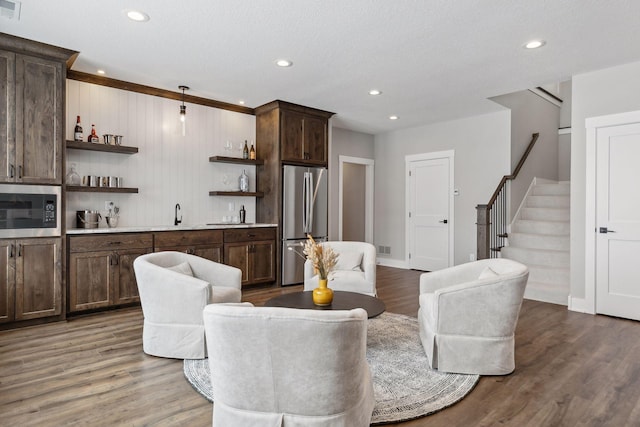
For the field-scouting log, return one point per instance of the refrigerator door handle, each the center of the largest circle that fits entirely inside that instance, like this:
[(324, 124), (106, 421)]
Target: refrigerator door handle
[(305, 210), (310, 203)]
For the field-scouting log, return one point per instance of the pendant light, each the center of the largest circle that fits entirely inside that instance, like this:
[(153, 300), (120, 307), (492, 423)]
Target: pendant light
[(183, 110)]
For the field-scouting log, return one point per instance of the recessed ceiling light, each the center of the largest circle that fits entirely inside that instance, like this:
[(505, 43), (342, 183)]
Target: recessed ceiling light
[(100, 72), (284, 63), (534, 44), (374, 92), (394, 117), (241, 102), (136, 15)]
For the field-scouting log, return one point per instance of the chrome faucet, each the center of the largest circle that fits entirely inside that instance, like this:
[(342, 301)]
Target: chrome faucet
[(177, 221)]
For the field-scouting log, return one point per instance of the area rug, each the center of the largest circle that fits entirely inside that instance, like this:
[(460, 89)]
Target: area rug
[(404, 386)]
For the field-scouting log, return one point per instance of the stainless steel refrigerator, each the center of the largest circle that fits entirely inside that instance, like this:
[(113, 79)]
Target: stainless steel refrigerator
[(304, 212)]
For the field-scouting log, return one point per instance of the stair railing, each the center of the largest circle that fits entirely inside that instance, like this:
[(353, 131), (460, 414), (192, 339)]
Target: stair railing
[(492, 218)]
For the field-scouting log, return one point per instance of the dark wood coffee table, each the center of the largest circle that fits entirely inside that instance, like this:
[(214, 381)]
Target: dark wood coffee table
[(341, 301)]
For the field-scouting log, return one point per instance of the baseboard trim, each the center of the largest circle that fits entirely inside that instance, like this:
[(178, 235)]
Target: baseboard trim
[(577, 304), (397, 263)]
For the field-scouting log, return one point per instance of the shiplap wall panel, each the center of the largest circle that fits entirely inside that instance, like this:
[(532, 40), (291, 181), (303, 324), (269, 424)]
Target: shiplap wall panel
[(168, 168)]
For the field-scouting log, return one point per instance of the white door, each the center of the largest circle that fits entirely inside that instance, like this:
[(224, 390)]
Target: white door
[(618, 221), (430, 212)]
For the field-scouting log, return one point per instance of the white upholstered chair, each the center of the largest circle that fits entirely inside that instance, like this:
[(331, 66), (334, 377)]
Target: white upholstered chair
[(354, 272), (273, 366), (468, 316), (174, 288)]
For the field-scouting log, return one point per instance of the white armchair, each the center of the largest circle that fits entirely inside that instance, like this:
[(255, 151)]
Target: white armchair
[(468, 316), (273, 366), (354, 272), (174, 288)]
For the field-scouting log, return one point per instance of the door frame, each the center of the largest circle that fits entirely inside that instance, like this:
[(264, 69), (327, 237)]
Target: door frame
[(368, 197), (593, 124), (448, 154)]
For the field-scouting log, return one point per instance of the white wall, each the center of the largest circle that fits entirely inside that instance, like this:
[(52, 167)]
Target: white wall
[(608, 91), (530, 114), (564, 140), (168, 168), (482, 153), (344, 143)]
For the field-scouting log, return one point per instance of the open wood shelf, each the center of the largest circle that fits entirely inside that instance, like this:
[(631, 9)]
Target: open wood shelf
[(237, 193), (79, 188), (222, 159), (93, 146)]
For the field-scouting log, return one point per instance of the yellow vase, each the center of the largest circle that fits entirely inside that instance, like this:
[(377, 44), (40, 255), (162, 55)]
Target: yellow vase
[(322, 295)]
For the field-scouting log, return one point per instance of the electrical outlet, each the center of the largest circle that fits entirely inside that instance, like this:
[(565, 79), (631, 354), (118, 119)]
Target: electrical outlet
[(472, 257), (232, 206), (108, 205)]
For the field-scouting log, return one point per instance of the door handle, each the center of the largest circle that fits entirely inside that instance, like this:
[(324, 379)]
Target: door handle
[(443, 221), (605, 230)]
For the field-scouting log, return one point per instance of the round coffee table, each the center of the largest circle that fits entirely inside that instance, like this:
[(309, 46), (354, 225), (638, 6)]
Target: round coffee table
[(341, 301)]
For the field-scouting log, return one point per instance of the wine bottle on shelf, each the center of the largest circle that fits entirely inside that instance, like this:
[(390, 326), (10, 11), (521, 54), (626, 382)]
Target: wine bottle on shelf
[(245, 150), (252, 152), (77, 132), (93, 137), (243, 214)]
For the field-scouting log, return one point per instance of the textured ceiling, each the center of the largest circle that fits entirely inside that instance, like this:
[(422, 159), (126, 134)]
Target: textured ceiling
[(433, 60)]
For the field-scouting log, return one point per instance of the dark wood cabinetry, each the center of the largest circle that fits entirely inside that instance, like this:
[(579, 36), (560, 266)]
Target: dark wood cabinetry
[(292, 134), (31, 278), (253, 251), (303, 138), (32, 82), (203, 243), (101, 269), (286, 134)]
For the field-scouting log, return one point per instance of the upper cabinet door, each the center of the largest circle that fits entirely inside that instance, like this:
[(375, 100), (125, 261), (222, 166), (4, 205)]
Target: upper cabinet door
[(7, 116), (303, 138), (315, 139), (39, 121), (291, 140)]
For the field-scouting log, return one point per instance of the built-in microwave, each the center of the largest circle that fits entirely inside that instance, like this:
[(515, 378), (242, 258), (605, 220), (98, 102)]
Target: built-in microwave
[(29, 210)]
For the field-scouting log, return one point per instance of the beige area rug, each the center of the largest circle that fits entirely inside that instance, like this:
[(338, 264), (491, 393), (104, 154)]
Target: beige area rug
[(404, 386)]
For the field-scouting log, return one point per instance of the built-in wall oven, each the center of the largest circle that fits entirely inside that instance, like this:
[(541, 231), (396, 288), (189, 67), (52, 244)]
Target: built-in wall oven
[(29, 211)]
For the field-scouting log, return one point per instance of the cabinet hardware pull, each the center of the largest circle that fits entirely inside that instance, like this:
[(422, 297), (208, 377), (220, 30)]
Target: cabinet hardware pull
[(251, 235), (19, 250), (113, 259), (20, 171), (11, 250), (12, 171), (115, 243)]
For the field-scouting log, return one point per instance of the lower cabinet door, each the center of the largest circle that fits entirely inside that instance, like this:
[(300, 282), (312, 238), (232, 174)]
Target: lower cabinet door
[(7, 280), (237, 255), (263, 256), (90, 279), (212, 253), (126, 287), (38, 278)]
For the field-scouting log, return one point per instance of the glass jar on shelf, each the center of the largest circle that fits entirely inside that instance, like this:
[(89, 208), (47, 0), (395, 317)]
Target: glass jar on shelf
[(72, 178)]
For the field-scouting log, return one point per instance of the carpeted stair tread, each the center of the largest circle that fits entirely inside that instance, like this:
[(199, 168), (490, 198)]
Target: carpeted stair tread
[(541, 227), (539, 241), (548, 202)]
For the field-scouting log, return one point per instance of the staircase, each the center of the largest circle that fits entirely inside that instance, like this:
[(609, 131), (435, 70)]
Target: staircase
[(539, 238)]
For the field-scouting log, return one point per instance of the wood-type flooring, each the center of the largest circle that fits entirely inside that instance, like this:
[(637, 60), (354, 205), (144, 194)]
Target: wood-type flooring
[(572, 369)]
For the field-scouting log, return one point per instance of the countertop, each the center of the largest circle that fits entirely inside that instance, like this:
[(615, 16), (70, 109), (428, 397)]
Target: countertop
[(142, 229)]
